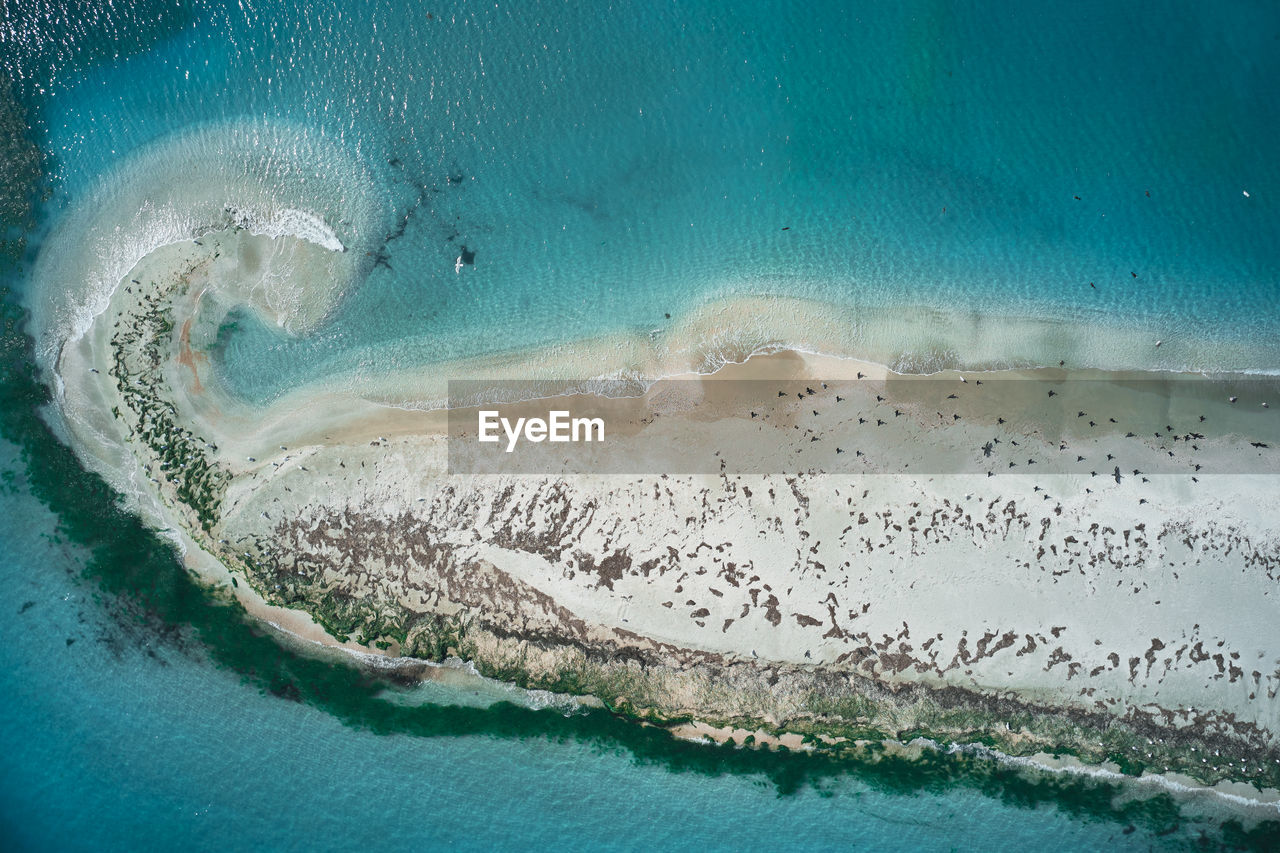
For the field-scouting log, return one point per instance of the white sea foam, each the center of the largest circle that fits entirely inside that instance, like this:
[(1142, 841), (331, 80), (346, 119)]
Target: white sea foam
[(272, 179), (286, 222), (1103, 773)]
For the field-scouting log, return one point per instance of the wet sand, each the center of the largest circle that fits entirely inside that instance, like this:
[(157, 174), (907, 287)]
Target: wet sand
[(1042, 534)]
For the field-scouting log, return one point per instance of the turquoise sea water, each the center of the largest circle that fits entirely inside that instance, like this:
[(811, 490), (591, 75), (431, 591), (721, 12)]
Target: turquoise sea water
[(117, 736), (607, 166)]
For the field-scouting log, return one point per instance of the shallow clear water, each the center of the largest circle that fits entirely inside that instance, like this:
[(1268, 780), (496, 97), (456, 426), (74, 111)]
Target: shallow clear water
[(610, 168)]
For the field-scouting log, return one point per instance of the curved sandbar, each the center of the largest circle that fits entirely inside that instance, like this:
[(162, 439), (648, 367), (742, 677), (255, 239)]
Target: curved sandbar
[(1129, 621)]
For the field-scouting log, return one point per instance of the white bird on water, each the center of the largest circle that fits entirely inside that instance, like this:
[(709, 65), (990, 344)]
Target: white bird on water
[(457, 265)]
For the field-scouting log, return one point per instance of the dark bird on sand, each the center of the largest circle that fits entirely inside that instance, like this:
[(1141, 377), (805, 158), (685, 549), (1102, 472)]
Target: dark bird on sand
[(1052, 393), (1117, 473)]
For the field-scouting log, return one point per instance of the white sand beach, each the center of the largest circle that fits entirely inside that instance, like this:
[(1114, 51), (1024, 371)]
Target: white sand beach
[(892, 555)]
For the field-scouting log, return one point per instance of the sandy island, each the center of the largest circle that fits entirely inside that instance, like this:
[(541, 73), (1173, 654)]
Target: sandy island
[(1062, 580)]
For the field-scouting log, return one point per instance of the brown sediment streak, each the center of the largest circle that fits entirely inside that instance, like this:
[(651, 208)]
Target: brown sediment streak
[(187, 358)]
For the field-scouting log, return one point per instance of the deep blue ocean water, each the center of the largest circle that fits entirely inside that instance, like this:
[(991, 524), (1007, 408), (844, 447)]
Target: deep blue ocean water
[(609, 165)]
